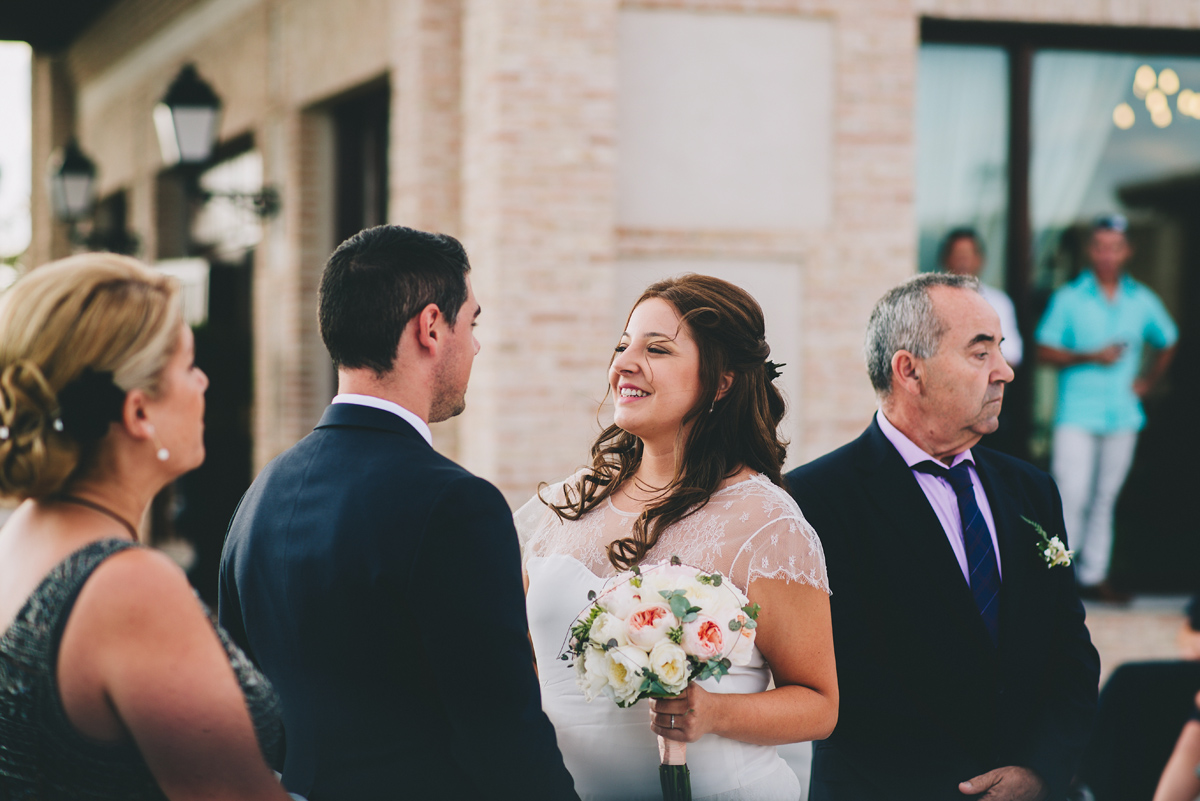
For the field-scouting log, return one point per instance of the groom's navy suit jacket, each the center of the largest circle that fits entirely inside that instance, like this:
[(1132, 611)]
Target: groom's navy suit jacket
[(378, 585), (926, 700)]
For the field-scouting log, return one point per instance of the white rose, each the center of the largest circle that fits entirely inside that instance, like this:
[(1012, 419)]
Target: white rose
[(670, 662), (625, 665), (591, 672), (608, 627), (717, 601), (704, 596), (667, 577), (621, 599)]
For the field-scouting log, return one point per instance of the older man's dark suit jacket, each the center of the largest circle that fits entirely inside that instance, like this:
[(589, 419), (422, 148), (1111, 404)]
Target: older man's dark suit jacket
[(926, 701), (378, 586)]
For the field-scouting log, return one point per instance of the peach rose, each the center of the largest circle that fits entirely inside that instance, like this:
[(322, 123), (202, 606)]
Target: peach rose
[(703, 638), (648, 624)]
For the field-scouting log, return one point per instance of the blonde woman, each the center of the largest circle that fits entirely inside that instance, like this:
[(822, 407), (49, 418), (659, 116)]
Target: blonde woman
[(113, 682)]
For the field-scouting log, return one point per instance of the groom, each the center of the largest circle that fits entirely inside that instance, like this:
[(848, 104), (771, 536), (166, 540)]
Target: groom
[(964, 665), (377, 583)]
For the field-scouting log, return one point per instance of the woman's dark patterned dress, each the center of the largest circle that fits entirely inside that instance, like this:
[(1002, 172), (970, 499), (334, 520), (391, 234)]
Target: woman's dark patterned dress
[(42, 756)]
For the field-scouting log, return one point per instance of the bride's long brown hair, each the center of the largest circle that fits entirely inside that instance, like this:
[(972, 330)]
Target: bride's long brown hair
[(739, 430)]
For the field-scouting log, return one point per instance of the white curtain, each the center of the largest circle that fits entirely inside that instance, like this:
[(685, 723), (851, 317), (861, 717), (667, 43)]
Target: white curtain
[(962, 149), (1074, 95)]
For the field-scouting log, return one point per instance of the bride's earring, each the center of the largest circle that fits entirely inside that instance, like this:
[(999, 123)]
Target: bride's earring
[(159, 451)]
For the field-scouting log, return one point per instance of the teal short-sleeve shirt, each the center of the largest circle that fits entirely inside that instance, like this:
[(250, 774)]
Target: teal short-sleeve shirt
[(1080, 317)]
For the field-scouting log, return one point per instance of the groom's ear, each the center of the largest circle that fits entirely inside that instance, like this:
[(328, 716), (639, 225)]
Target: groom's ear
[(430, 325), (906, 372)]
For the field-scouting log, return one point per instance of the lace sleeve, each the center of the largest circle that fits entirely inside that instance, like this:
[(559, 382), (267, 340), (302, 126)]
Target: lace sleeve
[(534, 519), (788, 548), (748, 530), (528, 519)]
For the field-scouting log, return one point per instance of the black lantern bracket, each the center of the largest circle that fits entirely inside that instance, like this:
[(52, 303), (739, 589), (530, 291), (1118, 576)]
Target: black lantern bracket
[(266, 202)]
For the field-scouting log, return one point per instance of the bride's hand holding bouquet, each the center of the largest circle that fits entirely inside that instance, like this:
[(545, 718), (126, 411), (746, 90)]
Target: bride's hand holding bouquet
[(651, 635)]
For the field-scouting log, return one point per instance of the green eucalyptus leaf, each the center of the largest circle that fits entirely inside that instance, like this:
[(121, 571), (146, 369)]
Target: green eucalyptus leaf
[(681, 607)]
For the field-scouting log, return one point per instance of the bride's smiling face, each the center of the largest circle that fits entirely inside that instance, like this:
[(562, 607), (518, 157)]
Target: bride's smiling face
[(655, 374)]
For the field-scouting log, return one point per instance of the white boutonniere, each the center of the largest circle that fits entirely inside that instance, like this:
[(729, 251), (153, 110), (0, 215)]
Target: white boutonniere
[(1052, 548)]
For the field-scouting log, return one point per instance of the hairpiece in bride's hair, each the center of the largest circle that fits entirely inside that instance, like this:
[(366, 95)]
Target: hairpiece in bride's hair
[(772, 368)]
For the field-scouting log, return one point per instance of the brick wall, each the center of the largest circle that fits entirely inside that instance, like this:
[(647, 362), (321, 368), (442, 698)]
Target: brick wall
[(538, 203), (503, 133)]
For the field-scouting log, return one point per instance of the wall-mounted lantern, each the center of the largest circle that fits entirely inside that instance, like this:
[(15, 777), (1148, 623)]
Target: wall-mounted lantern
[(187, 119), (72, 184)]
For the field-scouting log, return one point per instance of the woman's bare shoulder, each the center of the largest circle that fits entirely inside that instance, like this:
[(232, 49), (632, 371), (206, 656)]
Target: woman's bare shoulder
[(136, 591)]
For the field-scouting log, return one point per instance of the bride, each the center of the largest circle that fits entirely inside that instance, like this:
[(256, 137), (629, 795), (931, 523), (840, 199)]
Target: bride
[(690, 467)]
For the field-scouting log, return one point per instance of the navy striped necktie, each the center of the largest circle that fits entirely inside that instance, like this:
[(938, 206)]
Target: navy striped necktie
[(982, 568)]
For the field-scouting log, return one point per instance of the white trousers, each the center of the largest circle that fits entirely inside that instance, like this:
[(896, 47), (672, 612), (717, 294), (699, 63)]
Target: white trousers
[(1090, 470)]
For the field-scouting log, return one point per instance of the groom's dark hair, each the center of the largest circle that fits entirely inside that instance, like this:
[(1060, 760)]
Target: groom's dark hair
[(378, 280)]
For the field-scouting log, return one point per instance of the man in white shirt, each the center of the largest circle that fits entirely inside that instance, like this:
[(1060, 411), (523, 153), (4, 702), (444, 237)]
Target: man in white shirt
[(962, 253)]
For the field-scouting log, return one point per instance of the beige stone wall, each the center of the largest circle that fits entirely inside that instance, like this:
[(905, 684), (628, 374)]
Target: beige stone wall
[(538, 206), (426, 134), (504, 132), (874, 241)]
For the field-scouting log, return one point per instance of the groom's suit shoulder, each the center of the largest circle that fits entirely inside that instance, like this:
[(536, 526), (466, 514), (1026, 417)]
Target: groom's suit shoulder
[(372, 454), (369, 489)]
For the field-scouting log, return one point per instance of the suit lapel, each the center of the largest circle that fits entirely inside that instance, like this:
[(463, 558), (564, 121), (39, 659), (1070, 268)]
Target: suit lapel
[(914, 541)]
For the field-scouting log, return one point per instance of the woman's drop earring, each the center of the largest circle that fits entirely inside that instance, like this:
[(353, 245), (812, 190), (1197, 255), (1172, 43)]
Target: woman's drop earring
[(160, 452)]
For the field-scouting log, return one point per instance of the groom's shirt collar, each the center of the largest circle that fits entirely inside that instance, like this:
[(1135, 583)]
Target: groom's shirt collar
[(386, 405), (939, 492)]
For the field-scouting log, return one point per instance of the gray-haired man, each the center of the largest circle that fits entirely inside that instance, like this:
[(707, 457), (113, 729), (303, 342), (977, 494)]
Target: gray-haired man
[(964, 665)]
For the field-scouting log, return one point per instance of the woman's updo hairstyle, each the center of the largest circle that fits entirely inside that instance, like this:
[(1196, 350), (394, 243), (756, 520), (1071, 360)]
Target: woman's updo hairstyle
[(741, 429), (75, 336)]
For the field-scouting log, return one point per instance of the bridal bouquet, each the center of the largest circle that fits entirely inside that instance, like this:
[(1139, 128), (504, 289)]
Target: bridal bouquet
[(653, 630)]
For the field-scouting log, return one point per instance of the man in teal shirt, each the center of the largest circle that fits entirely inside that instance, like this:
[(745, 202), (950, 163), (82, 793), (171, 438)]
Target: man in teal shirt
[(1095, 330)]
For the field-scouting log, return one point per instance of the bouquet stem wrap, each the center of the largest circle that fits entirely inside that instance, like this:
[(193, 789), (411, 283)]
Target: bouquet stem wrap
[(673, 773)]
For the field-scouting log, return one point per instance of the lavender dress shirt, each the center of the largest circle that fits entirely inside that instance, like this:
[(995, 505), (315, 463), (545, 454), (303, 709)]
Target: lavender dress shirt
[(941, 495)]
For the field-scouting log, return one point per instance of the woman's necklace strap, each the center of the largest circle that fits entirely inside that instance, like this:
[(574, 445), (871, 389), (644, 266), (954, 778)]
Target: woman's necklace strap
[(104, 510)]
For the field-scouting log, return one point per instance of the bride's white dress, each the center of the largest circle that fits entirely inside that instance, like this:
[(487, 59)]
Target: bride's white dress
[(748, 530)]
